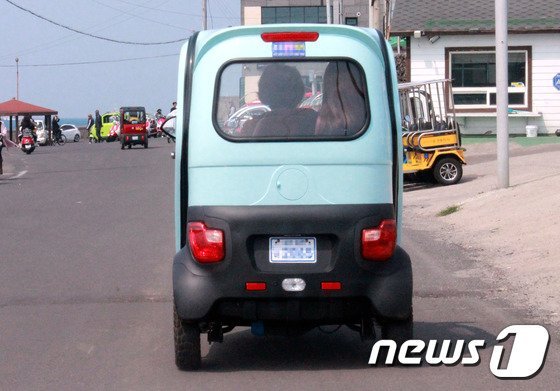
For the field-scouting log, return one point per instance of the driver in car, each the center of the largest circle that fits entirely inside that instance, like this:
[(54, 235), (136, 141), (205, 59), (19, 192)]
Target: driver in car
[(281, 88)]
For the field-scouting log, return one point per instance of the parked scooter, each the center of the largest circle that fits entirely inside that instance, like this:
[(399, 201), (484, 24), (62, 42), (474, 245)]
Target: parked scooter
[(27, 141), (114, 133), (167, 127)]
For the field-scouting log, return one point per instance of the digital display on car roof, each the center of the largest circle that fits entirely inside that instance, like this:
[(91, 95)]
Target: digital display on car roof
[(288, 49)]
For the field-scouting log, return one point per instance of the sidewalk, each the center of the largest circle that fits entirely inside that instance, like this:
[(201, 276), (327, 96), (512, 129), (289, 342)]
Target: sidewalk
[(516, 230)]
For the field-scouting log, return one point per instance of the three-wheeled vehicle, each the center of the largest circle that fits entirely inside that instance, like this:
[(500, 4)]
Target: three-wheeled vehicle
[(431, 135), (294, 221), (133, 126)]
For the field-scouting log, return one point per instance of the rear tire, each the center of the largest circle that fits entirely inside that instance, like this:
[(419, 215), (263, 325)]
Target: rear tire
[(399, 331), (187, 343), (76, 138), (448, 171)]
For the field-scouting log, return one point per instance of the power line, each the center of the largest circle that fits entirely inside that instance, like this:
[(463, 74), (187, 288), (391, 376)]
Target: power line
[(93, 35), (141, 17), (68, 38), (89, 62), (174, 12)]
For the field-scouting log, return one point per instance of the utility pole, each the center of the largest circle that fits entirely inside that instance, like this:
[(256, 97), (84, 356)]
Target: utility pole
[(377, 14), (17, 78), (204, 15), (329, 14), (337, 7), (502, 92)]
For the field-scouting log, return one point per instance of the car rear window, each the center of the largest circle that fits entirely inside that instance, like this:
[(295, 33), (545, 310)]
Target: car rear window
[(291, 100), (132, 116)]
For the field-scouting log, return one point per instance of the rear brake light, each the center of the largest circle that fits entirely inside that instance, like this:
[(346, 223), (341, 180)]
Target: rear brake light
[(255, 286), (378, 244), (207, 244), (290, 36), (331, 286)]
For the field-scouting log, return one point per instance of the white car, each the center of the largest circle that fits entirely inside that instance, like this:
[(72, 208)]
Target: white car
[(71, 132), (235, 122), (41, 132)]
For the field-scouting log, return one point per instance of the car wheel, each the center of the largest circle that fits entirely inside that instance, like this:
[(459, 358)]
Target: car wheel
[(146, 144), (448, 171), (187, 343), (76, 138), (399, 331), (129, 146)]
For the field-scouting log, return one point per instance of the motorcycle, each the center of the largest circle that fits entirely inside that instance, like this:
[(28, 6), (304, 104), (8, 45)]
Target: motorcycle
[(167, 127), (27, 141), (160, 121), (114, 132)]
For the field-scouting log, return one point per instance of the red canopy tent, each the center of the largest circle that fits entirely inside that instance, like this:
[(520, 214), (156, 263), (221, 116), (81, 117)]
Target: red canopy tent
[(14, 107)]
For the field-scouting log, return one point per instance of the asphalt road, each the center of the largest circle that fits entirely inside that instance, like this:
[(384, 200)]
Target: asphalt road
[(86, 243)]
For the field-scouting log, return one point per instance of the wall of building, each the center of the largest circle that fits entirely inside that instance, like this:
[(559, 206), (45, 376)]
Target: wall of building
[(428, 62), (352, 9)]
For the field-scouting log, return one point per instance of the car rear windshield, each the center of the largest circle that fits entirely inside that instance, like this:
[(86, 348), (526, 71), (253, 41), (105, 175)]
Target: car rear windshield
[(291, 100), (134, 116)]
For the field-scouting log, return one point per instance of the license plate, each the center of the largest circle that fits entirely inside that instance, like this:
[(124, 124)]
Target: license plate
[(27, 146), (135, 138), (292, 250)]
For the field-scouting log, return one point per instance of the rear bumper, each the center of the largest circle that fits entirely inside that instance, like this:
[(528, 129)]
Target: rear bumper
[(383, 291), (130, 138)]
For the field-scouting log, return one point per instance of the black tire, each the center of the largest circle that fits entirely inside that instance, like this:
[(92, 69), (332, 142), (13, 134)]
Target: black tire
[(448, 171), (122, 144), (187, 343), (129, 146), (146, 144), (76, 138), (399, 331)]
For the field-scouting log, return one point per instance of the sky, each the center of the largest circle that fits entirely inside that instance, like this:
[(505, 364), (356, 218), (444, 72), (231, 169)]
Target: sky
[(111, 79)]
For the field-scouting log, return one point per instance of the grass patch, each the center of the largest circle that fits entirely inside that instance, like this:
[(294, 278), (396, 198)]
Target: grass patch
[(449, 210)]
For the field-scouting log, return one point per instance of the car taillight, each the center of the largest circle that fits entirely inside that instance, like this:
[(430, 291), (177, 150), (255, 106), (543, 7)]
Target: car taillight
[(290, 36), (207, 244), (378, 244)]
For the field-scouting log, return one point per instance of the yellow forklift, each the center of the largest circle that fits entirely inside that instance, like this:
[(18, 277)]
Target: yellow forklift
[(431, 136)]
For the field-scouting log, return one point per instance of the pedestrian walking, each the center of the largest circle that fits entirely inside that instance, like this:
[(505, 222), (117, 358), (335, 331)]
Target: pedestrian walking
[(4, 142), (174, 107), (98, 126), (89, 126)]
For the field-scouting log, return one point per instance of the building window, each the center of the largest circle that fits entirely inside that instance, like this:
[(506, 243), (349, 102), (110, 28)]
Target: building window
[(351, 21), (271, 15), (473, 74)]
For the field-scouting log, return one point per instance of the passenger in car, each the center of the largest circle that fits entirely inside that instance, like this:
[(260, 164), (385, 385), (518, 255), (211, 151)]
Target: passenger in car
[(343, 112), (281, 88)]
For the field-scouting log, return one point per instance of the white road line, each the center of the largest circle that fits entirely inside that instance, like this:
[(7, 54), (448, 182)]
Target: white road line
[(21, 173)]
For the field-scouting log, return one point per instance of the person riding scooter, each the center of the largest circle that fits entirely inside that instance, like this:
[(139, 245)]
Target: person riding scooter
[(28, 123)]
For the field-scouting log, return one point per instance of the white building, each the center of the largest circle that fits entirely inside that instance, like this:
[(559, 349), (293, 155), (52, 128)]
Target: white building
[(455, 39)]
